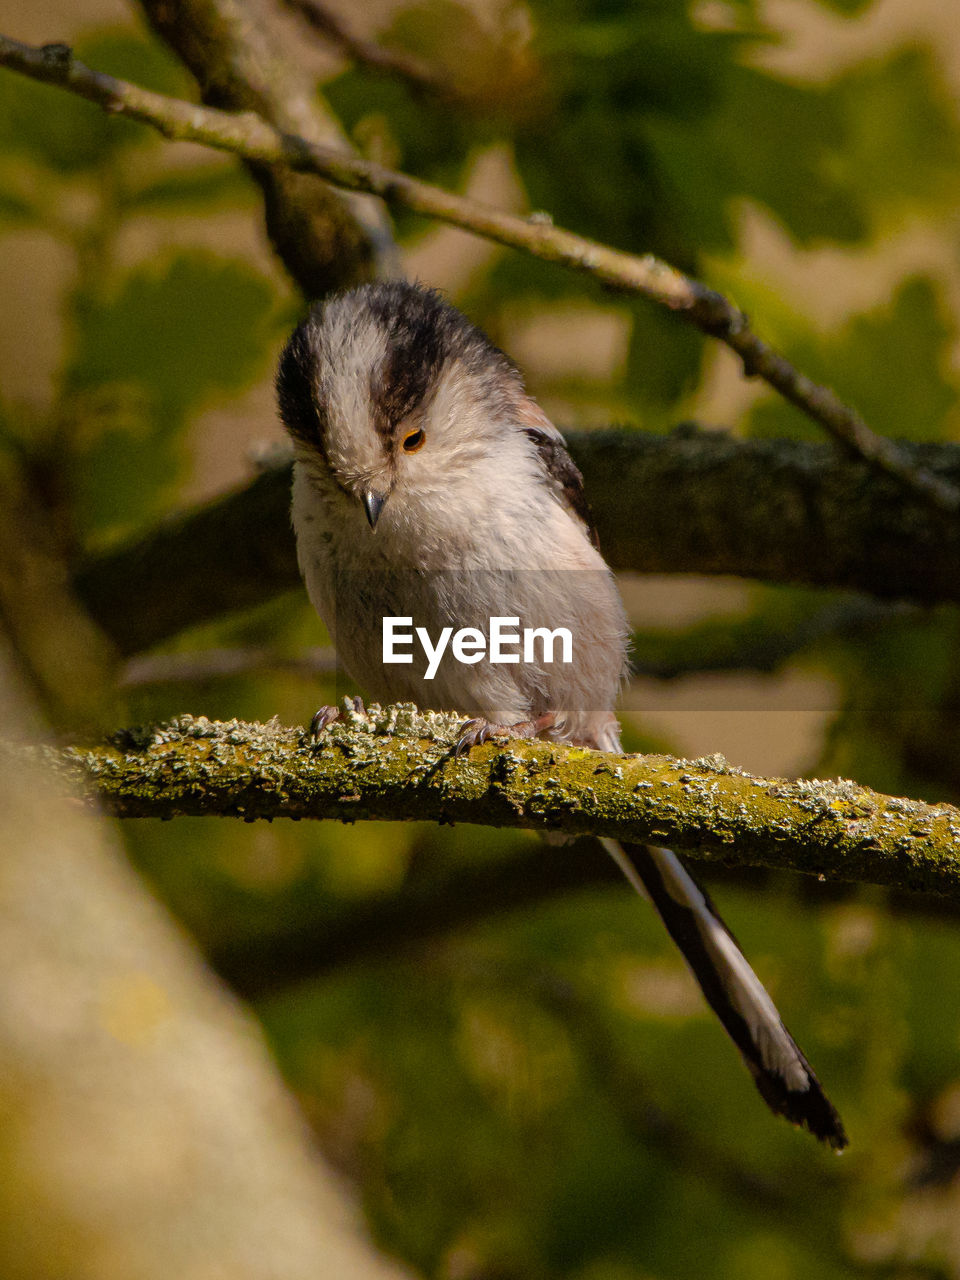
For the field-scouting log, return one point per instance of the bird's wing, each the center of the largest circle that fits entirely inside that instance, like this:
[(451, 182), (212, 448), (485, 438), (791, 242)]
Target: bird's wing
[(560, 471)]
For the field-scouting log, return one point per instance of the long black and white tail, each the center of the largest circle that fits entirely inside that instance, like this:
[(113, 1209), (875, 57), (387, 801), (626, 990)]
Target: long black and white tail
[(732, 989)]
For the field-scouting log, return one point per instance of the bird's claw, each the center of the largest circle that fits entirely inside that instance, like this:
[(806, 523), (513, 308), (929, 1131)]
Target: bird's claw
[(473, 734), (325, 716)]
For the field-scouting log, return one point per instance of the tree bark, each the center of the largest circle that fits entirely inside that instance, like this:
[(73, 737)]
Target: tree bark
[(397, 763), (146, 1132)]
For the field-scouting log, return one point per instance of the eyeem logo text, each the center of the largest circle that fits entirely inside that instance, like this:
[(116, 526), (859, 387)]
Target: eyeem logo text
[(470, 645)]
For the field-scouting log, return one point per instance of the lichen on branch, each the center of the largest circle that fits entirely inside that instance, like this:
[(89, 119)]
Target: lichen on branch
[(398, 763)]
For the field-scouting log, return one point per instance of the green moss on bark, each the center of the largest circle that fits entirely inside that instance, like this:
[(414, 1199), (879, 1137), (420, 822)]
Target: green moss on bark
[(398, 763)]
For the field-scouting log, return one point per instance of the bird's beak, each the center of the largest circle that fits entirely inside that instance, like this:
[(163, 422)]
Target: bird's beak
[(373, 503)]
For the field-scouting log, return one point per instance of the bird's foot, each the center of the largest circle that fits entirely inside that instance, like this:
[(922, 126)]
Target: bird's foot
[(327, 715), (476, 732)]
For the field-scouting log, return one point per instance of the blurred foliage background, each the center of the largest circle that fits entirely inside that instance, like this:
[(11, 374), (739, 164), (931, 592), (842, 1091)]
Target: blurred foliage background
[(539, 1091)]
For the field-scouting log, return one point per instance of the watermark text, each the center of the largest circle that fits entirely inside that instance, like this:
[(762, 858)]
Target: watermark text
[(506, 643)]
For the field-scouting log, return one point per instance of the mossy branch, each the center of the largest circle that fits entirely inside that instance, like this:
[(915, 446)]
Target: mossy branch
[(397, 763), (248, 135)]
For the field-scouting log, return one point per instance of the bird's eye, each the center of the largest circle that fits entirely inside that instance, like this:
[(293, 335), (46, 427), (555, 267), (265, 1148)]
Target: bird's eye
[(414, 441)]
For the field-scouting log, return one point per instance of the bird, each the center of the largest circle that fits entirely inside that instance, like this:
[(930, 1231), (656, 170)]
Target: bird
[(429, 487)]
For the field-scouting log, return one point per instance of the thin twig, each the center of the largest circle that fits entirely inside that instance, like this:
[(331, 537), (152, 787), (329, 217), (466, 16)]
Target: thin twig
[(397, 62), (248, 135)]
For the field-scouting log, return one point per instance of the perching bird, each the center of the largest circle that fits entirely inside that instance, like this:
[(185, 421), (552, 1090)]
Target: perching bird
[(428, 486)]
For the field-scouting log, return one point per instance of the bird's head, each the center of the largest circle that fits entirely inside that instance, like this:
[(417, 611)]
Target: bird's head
[(394, 396)]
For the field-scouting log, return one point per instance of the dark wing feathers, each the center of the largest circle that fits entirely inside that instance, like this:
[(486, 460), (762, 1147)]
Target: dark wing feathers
[(563, 474)]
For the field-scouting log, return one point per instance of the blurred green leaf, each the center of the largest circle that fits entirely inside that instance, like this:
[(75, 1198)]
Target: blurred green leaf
[(124, 479), (618, 156), (775, 142), (69, 135), (203, 189), (51, 127), (17, 211), (893, 364), (171, 336), (666, 127), (129, 55), (831, 162), (663, 360), (903, 134), (183, 330), (389, 119)]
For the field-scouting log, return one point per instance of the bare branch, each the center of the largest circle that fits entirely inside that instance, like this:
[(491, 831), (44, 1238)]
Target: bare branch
[(778, 510), (250, 136), (396, 763)]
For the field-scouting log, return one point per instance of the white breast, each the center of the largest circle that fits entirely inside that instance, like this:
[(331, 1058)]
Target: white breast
[(458, 563)]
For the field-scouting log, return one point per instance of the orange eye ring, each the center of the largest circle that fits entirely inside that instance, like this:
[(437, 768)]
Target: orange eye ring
[(414, 441)]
